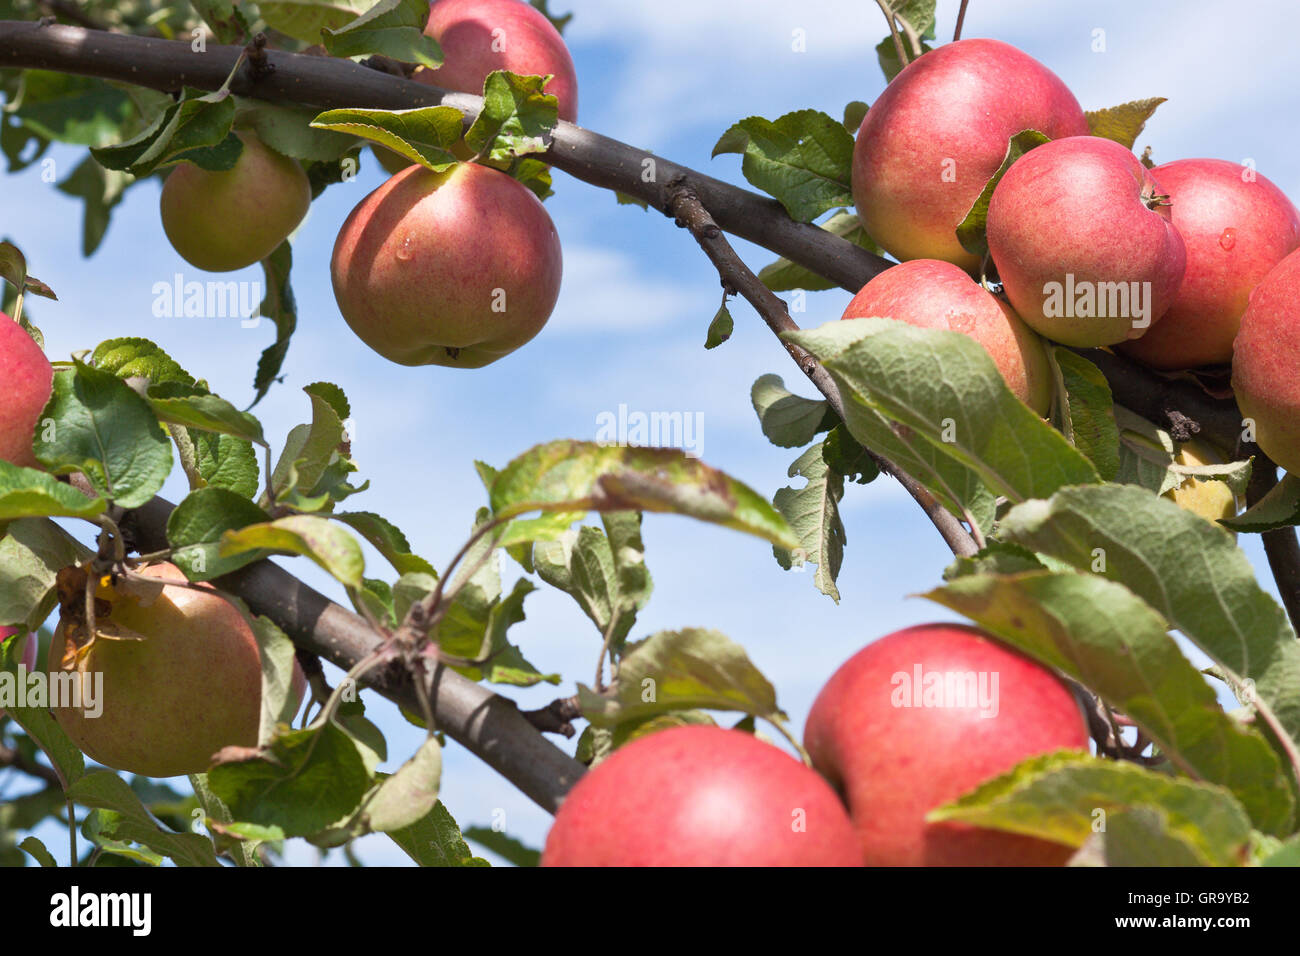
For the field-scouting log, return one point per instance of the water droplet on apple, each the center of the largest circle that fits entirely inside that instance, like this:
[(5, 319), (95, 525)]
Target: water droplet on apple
[(404, 250), (1228, 238)]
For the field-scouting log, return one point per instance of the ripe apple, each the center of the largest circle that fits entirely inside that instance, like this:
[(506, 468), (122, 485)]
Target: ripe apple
[(1206, 497), (1236, 225), (172, 700), (456, 268), (480, 36), (220, 221), (1264, 363), (897, 753), (701, 796), (932, 294), (27, 379), (26, 644), (1083, 242), (939, 132)]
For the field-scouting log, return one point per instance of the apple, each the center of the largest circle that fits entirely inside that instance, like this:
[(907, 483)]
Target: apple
[(1206, 497), (192, 686), (897, 753), (220, 221), (27, 378), (932, 294), (480, 36), (939, 132), (701, 796), (456, 268), (1236, 225), (1264, 363), (26, 644), (1083, 242)]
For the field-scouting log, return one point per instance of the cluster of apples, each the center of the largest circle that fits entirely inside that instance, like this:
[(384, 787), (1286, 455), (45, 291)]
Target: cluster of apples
[(1187, 264), (456, 268), (888, 742)]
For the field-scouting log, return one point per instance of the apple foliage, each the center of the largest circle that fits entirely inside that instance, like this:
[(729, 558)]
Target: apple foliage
[(1081, 565)]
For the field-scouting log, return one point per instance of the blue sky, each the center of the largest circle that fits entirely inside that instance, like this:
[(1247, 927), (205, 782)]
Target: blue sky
[(638, 295)]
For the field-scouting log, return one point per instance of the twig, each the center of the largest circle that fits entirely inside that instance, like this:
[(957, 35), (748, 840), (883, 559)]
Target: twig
[(69, 11), (556, 717), (691, 214), (887, 10), (961, 18), (11, 757)]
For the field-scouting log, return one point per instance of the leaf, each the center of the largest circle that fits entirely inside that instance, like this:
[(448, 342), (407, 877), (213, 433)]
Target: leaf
[(1087, 413), (1103, 636), (123, 817), (41, 727), (813, 511), (516, 120), (102, 428), (803, 159), (226, 462), (1279, 508), (410, 794), (785, 276), (100, 190), (387, 539), (788, 420), (306, 781), (506, 847), (847, 458), (32, 550), (197, 408), (582, 563), (436, 840), (287, 129), (305, 19), (195, 128), (971, 230), (196, 526), (331, 547), (393, 28), (36, 849), (945, 389), (79, 110), (921, 16), (139, 358), (279, 306), (1059, 796), (1188, 569), (1123, 123), (569, 476), (31, 493), (310, 449), (681, 670), (720, 328), (423, 135), (887, 56), (855, 112)]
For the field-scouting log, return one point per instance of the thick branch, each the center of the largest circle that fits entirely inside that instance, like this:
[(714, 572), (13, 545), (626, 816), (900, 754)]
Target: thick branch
[(691, 214), (331, 82), (487, 724), (1280, 546)]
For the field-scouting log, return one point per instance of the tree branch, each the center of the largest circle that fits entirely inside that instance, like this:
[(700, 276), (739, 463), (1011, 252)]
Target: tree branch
[(487, 724), (1280, 545), (691, 214), (10, 757)]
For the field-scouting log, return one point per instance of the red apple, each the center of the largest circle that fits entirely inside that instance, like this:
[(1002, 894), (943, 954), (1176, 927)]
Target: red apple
[(480, 36), (898, 748), (701, 796), (932, 294), (192, 686), (456, 268), (1237, 226), (27, 379), (939, 132), (1265, 358), (1083, 242)]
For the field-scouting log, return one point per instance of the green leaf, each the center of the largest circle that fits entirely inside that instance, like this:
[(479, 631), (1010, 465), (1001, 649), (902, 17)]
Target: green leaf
[(1059, 797), (305, 19), (918, 13), (40, 725), (1188, 569), (310, 449), (31, 493), (506, 847), (1123, 123), (785, 276), (586, 476), (1086, 416), (813, 511), (100, 190), (36, 849), (436, 840), (139, 358), (1288, 854), (306, 781), (887, 56), (410, 794), (943, 387), (1280, 508), (279, 306), (423, 135), (288, 130), (803, 159), (227, 21), (393, 28), (847, 458), (387, 539), (681, 670), (516, 120), (79, 110), (720, 328), (32, 550), (100, 427), (970, 232), (1103, 636), (855, 112), (124, 818), (196, 526), (224, 461), (196, 129), (331, 547), (218, 819), (788, 420)]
